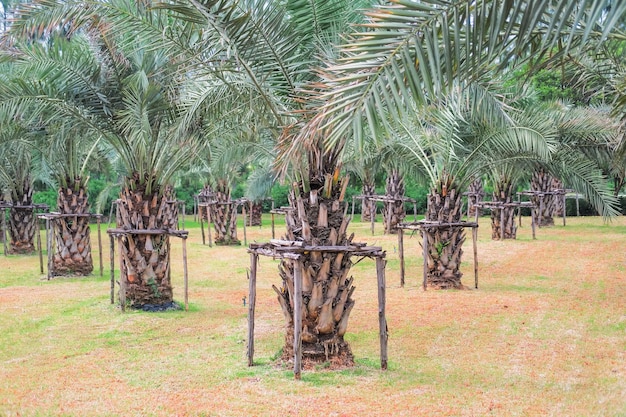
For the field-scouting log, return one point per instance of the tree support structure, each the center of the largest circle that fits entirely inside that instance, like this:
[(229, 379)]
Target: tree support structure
[(294, 251), (389, 226)]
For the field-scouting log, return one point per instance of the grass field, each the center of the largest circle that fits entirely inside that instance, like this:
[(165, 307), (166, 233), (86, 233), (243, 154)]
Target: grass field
[(544, 335)]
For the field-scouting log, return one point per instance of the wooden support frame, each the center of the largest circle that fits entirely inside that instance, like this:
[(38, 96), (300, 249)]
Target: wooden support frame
[(498, 205), (558, 193), (424, 224), (281, 211), (119, 233), (383, 199), (4, 206), (293, 250), (51, 219)]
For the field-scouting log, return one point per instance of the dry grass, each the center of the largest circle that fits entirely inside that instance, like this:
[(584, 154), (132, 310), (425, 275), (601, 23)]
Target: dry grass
[(544, 335)]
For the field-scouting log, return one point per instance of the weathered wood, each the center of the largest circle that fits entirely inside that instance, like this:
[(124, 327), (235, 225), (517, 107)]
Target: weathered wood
[(273, 223), (251, 305), (100, 245), (122, 275), (112, 255), (49, 237), (185, 275), (475, 247), (297, 319), (502, 223), (243, 214), (564, 208), (202, 224), (401, 254), (382, 320), (208, 226), (38, 247), (4, 231), (425, 255)]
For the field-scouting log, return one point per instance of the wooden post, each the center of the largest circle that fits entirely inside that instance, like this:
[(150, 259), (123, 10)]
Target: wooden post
[(273, 236), (4, 230), (208, 225), (195, 208), (243, 209), (577, 205), (540, 210), (502, 223), (297, 322), (122, 277), (49, 237), (475, 243), (112, 269), (425, 254), (202, 223), (469, 202), (382, 321), (401, 254), (254, 259), (372, 215), (519, 212), (185, 275), (100, 246), (38, 247), (564, 208), (414, 211), (532, 220)]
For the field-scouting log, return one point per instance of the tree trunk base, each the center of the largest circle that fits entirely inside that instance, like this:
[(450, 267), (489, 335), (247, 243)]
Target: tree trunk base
[(332, 353)]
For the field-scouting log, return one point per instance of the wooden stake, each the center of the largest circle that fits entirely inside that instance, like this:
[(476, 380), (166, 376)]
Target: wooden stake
[(112, 269), (208, 225), (185, 275), (475, 244), (297, 322), (100, 246), (401, 254), (382, 321), (425, 254), (254, 258), (577, 205), (4, 231), (49, 237), (502, 223), (372, 215), (414, 212), (243, 209), (38, 247), (352, 217), (564, 208), (202, 224), (532, 220), (122, 277), (273, 235)]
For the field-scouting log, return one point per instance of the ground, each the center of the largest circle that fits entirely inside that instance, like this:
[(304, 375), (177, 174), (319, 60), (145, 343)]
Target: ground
[(544, 335)]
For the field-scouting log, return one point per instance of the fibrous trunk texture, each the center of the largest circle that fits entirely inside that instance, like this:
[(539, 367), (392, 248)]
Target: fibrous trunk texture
[(542, 181), (319, 219), (476, 195), (22, 221), (394, 210), (444, 244), (224, 216), (145, 259), (503, 193), (73, 246), (255, 213), (206, 195), (368, 207)]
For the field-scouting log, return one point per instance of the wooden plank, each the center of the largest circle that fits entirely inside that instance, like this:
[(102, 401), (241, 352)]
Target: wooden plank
[(382, 320), (254, 258), (297, 322), (401, 255), (112, 254), (185, 274)]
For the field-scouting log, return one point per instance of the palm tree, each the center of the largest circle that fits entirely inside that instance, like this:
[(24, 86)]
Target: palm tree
[(125, 93)]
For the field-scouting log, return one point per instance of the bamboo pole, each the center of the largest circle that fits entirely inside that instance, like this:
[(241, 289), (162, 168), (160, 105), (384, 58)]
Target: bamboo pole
[(38, 247), (202, 224), (254, 258), (185, 275), (401, 254), (243, 209), (475, 245), (100, 246), (382, 321), (112, 269), (297, 325), (425, 254)]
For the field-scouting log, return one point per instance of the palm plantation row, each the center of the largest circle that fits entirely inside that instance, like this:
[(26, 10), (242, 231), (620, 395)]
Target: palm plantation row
[(303, 91)]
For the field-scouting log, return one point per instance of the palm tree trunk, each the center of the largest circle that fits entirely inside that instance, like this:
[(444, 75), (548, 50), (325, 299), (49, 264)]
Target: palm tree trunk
[(541, 181), (224, 216), (145, 259), (477, 193), (394, 211), (255, 214), (443, 259), (73, 254), (503, 193), (367, 205), (22, 220), (319, 219)]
